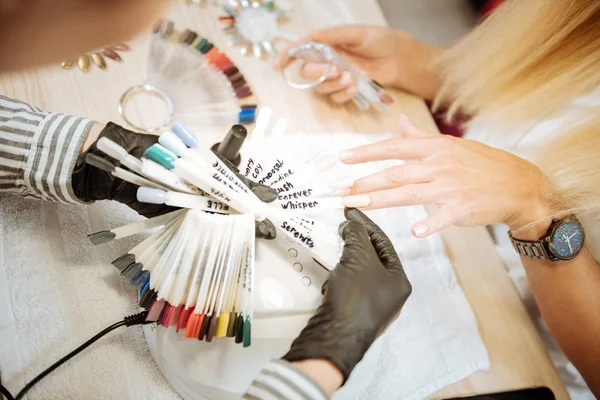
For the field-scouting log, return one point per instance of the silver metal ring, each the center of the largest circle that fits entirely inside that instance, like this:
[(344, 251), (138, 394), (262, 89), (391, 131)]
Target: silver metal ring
[(146, 88), (318, 47)]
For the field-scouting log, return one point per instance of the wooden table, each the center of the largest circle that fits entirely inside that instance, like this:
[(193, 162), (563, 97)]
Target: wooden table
[(518, 357)]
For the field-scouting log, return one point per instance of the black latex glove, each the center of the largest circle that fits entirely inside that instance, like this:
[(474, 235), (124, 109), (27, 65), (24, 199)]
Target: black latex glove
[(365, 293), (263, 229), (91, 183)]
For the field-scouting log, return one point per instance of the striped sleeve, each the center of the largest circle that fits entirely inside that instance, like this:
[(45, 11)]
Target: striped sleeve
[(38, 151), (281, 380)]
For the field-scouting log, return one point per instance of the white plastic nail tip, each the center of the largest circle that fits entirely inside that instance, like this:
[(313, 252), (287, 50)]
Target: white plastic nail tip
[(111, 149), (152, 196), (173, 143)]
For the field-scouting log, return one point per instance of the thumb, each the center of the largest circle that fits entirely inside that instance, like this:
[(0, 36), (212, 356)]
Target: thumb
[(353, 233), (380, 241), (346, 35), (356, 241), (358, 251)]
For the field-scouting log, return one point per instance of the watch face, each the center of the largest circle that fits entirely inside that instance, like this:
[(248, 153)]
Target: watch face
[(566, 240)]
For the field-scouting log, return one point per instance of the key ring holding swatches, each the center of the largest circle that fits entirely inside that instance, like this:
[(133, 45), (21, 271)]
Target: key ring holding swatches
[(154, 91), (368, 92), (292, 53)]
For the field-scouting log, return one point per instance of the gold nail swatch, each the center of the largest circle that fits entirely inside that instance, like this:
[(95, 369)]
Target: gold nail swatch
[(84, 62), (99, 60), (67, 64)]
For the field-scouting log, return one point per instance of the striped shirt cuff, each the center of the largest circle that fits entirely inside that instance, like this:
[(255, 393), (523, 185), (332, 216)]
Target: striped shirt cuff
[(281, 380), (38, 151)]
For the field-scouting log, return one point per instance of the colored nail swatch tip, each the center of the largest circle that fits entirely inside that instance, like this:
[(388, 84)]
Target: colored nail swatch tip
[(239, 329), (231, 324), (160, 155), (247, 331), (212, 328), (203, 329), (185, 134), (223, 324)]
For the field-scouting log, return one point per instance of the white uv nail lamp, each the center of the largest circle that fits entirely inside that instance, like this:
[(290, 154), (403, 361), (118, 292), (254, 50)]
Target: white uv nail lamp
[(288, 291)]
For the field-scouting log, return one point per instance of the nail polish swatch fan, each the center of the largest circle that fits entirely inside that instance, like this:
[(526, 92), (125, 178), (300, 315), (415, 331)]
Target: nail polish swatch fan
[(285, 281), (200, 82)]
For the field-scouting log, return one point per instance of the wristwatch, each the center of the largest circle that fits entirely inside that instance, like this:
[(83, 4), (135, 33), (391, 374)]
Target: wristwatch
[(562, 241)]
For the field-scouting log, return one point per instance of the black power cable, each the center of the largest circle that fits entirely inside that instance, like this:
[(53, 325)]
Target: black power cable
[(132, 320), (6, 393)]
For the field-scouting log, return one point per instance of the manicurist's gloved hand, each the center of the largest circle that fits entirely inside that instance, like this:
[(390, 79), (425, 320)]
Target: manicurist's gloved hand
[(366, 292), (91, 183)]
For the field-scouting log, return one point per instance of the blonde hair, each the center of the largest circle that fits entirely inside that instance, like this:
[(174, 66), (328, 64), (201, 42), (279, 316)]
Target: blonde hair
[(572, 162), (527, 60)]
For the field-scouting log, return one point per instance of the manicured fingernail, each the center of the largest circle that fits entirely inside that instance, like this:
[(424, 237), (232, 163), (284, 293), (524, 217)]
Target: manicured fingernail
[(341, 192), (333, 72), (341, 183), (357, 201), (346, 79), (345, 155), (352, 90), (420, 230), (386, 98)]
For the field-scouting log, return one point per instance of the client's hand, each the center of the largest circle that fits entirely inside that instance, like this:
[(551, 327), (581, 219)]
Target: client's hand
[(392, 58), (365, 294), (473, 184)]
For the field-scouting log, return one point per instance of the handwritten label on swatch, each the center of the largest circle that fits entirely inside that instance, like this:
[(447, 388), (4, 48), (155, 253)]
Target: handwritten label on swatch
[(304, 223), (302, 238), (299, 205), (219, 194), (296, 195), (282, 177), (223, 170), (217, 205), (287, 186), (218, 177), (272, 171), (253, 171)]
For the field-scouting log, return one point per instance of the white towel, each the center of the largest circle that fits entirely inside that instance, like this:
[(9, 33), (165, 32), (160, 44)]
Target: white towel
[(56, 291)]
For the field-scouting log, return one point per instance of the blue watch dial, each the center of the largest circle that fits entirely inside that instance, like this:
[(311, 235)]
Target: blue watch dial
[(567, 240)]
